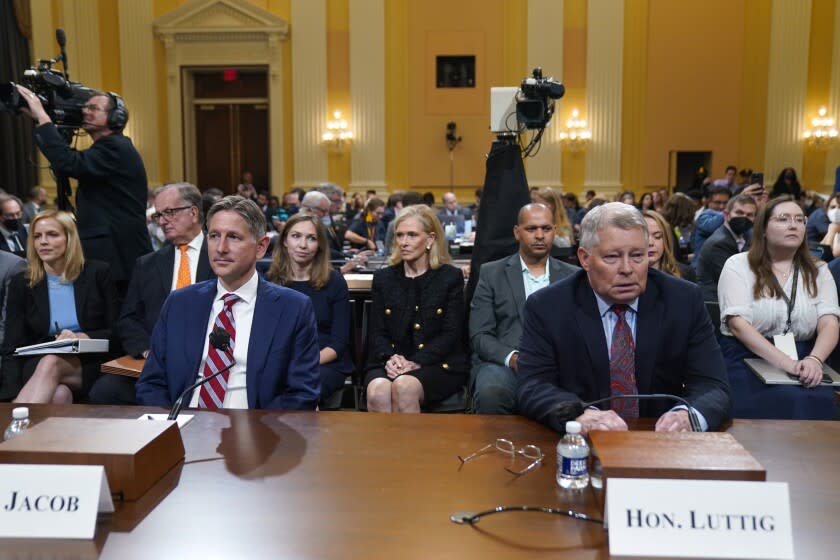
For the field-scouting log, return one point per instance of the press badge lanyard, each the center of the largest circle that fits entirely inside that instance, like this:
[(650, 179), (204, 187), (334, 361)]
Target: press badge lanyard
[(789, 300)]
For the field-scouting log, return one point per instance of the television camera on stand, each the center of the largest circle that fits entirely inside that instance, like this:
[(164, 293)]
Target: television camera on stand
[(62, 99), (515, 113)]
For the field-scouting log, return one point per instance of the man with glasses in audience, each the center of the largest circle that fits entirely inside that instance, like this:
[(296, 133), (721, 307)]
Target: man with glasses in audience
[(181, 262), (617, 328), (496, 308), (732, 237), (111, 196)]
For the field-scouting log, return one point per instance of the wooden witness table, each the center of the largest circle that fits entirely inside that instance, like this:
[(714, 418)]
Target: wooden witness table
[(266, 484)]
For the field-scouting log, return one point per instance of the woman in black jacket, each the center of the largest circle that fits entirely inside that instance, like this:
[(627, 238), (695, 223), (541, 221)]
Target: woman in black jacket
[(58, 296), (416, 342)]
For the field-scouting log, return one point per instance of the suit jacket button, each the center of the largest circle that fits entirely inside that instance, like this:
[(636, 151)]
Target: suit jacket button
[(387, 311), (416, 326), (421, 346), (439, 311)]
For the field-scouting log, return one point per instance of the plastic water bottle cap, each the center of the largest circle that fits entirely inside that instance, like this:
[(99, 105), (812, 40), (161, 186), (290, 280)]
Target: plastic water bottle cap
[(572, 427), (20, 413)]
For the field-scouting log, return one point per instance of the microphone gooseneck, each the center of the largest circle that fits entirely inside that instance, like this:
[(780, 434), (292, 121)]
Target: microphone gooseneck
[(220, 340)]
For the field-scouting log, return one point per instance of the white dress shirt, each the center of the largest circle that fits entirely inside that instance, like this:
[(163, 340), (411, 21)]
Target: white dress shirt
[(243, 317)]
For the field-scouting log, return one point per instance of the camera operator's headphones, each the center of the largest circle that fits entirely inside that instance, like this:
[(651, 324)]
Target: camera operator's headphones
[(118, 115)]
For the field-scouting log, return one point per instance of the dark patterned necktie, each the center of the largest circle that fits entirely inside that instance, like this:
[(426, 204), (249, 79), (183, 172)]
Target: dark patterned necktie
[(212, 393), (623, 366)]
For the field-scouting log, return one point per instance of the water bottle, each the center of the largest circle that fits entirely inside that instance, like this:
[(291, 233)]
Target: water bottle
[(572, 455), (20, 421)]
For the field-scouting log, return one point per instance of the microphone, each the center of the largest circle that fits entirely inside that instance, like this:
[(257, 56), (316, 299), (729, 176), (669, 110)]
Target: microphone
[(220, 340), (61, 39), (569, 410)]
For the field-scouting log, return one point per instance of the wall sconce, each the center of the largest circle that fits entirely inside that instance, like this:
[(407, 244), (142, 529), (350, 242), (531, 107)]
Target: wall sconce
[(575, 136), (822, 132), (338, 137)]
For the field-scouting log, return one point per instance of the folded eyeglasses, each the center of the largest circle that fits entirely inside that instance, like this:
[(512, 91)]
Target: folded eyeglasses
[(531, 452)]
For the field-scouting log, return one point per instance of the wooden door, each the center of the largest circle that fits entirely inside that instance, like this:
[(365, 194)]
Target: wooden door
[(231, 128)]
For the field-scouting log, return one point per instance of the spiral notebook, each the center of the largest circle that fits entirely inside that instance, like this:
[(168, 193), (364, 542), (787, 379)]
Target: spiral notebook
[(771, 375)]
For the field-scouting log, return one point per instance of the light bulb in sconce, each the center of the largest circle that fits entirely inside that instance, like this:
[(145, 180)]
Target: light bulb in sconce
[(823, 131), (575, 135), (338, 135)]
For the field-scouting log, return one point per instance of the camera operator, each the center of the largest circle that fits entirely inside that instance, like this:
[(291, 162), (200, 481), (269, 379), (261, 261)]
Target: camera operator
[(111, 196)]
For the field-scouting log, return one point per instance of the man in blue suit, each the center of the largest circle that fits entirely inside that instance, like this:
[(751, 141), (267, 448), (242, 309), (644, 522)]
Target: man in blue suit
[(617, 328), (276, 368)]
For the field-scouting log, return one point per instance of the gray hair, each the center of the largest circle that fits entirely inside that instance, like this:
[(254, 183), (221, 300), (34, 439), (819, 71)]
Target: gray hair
[(188, 192), (313, 199), (329, 189), (246, 208), (612, 214)]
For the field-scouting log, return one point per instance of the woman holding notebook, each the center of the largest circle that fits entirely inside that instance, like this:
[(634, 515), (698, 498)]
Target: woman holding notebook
[(58, 296), (779, 304)]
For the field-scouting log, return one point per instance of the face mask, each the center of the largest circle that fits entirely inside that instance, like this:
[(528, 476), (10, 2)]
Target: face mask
[(808, 203), (326, 221), (11, 224), (740, 225), (834, 215)]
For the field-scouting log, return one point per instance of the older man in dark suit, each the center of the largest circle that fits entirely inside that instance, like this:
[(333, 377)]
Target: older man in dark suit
[(496, 309), (181, 262), (616, 328)]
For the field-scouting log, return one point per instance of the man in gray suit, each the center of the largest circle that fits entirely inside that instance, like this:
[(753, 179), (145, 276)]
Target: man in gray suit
[(496, 309), (10, 265)]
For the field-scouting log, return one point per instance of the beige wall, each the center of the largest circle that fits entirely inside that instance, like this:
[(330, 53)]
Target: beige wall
[(695, 65), (699, 71)]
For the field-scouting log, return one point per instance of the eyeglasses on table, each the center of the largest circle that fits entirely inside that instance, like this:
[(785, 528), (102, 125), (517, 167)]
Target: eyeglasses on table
[(531, 452)]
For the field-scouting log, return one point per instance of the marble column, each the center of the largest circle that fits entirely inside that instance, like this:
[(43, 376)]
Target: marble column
[(367, 94), (604, 63), (787, 84), (309, 91)]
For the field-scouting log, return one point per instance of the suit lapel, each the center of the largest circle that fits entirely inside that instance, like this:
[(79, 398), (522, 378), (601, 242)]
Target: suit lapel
[(203, 272), (513, 273), (165, 267), (592, 327), (649, 321), (195, 332), (42, 306), (264, 322), (80, 292)]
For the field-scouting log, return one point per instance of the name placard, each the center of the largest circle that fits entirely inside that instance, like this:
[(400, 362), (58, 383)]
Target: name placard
[(52, 501), (699, 518)]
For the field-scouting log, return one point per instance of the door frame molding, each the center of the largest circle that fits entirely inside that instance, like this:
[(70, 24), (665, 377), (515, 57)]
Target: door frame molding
[(226, 33), (189, 126)]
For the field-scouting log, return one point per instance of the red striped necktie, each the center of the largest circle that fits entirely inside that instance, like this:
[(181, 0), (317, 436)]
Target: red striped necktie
[(212, 394), (623, 366)]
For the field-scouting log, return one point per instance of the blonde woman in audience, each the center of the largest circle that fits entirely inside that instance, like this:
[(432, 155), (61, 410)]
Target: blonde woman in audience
[(660, 245), (777, 294), (59, 296), (551, 198), (416, 352), (301, 261)]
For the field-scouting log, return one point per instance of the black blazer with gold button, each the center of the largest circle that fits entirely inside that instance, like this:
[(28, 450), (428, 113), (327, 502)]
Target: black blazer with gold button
[(422, 318)]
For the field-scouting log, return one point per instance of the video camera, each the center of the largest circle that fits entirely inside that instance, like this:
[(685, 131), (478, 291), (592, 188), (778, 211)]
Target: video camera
[(62, 99), (532, 103)]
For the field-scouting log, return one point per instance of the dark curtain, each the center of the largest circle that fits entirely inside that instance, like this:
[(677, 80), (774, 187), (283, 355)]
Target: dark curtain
[(17, 153), (505, 192)]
